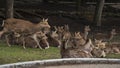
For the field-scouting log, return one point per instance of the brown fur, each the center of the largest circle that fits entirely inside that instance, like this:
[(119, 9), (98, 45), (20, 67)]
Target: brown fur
[(19, 25), (105, 37), (22, 27)]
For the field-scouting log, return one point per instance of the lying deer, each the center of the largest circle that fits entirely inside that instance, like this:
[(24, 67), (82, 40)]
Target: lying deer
[(113, 48), (54, 40), (97, 52), (78, 39), (99, 48), (37, 39), (100, 44), (71, 49), (59, 30), (105, 37), (66, 32)]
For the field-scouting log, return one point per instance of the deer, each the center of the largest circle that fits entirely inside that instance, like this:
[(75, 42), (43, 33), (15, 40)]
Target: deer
[(71, 49), (113, 48), (99, 48), (60, 33), (35, 40), (59, 30), (100, 44), (105, 37), (66, 32), (97, 52), (88, 45), (86, 32), (22, 26), (19, 25), (53, 39), (78, 39)]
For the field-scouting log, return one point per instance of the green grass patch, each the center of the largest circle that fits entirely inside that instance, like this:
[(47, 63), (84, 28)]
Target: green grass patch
[(113, 56), (18, 54)]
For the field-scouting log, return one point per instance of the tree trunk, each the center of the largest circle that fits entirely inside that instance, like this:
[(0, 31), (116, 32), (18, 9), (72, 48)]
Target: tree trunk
[(78, 3), (9, 8), (98, 12)]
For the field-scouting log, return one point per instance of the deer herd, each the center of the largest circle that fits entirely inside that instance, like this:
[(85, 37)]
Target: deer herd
[(71, 44)]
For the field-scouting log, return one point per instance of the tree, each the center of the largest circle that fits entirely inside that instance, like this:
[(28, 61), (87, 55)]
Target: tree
[(98, 12), (9, 8)]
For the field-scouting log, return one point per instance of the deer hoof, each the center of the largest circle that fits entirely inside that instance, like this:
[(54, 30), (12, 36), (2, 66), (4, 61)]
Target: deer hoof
[(24, 47), (46, 47), (58, 46), (40, 47), (9, 45)]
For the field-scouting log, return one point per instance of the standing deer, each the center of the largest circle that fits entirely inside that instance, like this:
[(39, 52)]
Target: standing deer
[(23, 27), (19, 25)]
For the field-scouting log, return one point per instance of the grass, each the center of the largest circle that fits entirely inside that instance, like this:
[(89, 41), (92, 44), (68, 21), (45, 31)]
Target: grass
[(113, 56), (18, 54)]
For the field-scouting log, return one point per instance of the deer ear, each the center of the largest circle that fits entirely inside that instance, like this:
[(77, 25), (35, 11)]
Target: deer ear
[(95, 40), (100, 40), (78, 33), (46, 20), (43, 19), (55, 28)]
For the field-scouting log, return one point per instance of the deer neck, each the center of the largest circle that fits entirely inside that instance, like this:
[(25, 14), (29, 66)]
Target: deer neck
[(85, 34), (111, 37)]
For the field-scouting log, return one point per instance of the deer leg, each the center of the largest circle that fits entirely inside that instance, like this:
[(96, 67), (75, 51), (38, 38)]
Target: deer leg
[(47, 44), (7, 40), (37, 42), (59, 43), (1, 33)]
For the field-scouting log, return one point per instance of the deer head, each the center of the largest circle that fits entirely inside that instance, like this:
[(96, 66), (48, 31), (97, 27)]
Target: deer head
[(66, 27), (100, 44), (44, 24), (78, 39), (87, 28), (96, 52)]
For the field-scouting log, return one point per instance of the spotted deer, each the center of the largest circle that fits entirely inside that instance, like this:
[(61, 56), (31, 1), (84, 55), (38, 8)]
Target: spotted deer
[(105, 37), (23, 27), (76, 47), (53, 39)]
